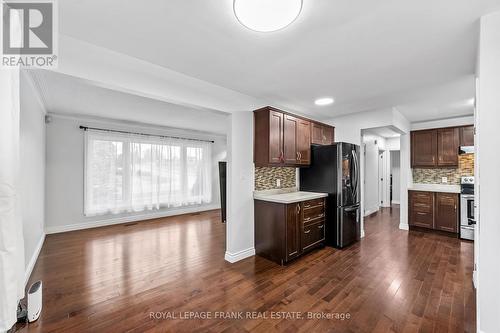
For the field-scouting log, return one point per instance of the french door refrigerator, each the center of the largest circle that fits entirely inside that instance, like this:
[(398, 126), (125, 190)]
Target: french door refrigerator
[(335, 169)]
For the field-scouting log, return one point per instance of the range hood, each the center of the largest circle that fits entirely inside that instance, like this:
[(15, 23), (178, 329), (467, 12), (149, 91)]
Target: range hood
[(466, 150)]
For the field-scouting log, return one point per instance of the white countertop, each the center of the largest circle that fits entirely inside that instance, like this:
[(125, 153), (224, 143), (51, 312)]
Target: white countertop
[(287, 195), (435, 188)]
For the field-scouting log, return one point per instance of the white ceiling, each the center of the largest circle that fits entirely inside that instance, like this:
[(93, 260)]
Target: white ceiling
[(383, 132), (366, 54), (62, 94)]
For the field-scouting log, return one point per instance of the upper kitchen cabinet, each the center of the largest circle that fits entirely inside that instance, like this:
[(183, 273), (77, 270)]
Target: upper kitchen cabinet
[(467, 136), (448, 142), (283, 139), (322, 134), (435, 147), (423, 148)]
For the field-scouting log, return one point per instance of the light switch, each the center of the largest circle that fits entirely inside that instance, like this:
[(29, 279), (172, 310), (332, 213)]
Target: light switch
[(444, 179), (278, 182)]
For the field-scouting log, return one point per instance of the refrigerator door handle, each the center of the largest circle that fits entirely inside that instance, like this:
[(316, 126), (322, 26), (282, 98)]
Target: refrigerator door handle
[(351, 209), (355, 176)]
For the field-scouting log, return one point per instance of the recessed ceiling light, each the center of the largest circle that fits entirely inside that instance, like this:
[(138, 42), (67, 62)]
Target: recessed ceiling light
[(266, 15), (324, 101)]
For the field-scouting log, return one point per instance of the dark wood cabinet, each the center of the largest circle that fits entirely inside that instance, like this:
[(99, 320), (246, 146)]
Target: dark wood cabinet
[(448, 141), (423, 148), (433, 210), (436, 147), (421, 209), (292, 230), (467, 136), (446, 212), (322, 134), (304, 142), (285, 231), (290, 129), (283, 139)]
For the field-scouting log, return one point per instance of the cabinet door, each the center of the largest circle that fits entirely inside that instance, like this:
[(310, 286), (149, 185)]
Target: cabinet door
[(327, 135), (290, 129), (304, 142), (421, 209), (423, 148), (446, 216), (275, 137), (448, 143), (293, 221), (467, 136), (316, 134)]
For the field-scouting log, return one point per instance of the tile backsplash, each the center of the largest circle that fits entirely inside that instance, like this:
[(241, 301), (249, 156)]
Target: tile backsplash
[(265, 177), (433, 176)]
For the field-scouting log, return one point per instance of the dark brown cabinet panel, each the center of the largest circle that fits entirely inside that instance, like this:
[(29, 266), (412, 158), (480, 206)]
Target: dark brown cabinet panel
[(433, 210), (275, 137), (447, 150), (446, 213), (293, 222), (322, 134), (304, 142), (290, 129), (285, 231), (467, 136), (282, 139), (423, 148), (421, 209)]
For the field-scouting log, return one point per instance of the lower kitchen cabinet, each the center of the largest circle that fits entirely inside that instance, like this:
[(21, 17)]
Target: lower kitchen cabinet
[(286, 231), (446, 218), (433, 210)]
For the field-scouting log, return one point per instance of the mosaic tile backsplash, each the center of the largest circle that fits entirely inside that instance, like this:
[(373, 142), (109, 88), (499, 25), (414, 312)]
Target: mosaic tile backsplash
[(265, 177), (433, 176)]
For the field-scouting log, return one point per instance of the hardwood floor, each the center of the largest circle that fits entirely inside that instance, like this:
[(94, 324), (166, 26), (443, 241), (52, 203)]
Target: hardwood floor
[(112, 279)]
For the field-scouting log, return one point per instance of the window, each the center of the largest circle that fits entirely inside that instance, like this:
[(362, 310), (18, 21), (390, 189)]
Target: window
[(131, 173)]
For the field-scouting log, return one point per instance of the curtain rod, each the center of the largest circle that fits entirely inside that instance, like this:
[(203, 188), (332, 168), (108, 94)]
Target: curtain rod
[(144, 134)]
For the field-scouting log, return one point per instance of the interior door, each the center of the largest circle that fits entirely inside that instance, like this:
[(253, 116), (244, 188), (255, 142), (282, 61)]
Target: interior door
[(349, 225), (290, 129)]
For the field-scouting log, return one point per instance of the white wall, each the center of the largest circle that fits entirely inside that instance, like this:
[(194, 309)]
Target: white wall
[(32, 181), (65, 165), (487, 176), (406, 180), (371, 176), (396, 174), (240, 186)]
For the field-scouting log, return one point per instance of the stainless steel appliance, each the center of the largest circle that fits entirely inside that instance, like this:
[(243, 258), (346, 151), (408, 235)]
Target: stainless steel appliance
[(335, 170), (467, 218)]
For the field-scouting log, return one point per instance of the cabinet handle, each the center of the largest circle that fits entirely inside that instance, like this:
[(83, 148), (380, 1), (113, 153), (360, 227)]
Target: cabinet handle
[(298, 155), (419, 213), (455, 206), (298, 208), (307, 231), (282, 156), (320, 226), (307, 219)]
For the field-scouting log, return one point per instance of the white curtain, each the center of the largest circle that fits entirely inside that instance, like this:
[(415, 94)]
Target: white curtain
[(11, 231), (131, 173)]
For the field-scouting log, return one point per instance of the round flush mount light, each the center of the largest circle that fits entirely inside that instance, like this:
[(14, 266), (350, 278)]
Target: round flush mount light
[(324, 101), (266, 15)]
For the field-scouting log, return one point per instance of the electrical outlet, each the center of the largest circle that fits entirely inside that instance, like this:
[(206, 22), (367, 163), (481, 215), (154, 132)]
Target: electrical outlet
[(444, 179), (278, 182)]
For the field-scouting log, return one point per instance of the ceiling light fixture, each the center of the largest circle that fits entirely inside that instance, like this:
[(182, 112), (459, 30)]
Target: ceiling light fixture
[(266, 15), (324, 101)]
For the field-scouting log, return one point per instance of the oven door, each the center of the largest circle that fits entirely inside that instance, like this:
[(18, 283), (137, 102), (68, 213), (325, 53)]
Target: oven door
[(467, 210)]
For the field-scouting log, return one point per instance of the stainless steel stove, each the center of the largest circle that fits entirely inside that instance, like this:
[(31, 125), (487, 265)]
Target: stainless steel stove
[(467, 218)]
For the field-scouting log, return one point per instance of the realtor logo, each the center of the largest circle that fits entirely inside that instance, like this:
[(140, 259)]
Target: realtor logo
[(28, 34)]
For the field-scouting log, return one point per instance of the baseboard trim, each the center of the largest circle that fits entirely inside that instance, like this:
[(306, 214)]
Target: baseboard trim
[(128, 219), (34, 258), (362, 233), (371, 211), (234, 257), (395, 202), (404, 227)]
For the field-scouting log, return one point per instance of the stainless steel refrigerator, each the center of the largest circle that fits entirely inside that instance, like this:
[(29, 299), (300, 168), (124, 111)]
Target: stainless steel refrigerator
[(335, 170)]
